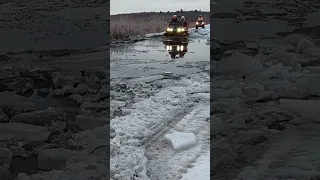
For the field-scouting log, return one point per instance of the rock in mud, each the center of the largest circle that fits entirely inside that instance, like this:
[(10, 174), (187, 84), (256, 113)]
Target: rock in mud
[(88, 122), (20, 130), (54, 159), (239, 65), (3, 116), (41, 117), (5, 156)]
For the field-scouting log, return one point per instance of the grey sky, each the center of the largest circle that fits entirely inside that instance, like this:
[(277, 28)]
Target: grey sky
[(130, 6)]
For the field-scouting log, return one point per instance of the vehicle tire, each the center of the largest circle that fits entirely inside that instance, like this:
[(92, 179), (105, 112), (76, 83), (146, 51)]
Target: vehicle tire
[(196, 27), (202, 27)]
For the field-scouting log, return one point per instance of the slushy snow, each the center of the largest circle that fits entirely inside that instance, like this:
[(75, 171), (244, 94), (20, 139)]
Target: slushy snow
[(200, 169), (142, 133)]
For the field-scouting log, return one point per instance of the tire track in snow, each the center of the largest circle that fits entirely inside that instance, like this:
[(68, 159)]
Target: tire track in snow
[(153, 117), (163, 128), (166, 163)]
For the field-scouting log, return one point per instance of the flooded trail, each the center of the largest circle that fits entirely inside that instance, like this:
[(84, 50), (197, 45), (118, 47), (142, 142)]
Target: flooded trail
[(157, 55)]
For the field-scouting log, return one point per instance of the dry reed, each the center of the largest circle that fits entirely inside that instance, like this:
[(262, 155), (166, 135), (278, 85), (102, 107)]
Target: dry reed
[(125, 26)]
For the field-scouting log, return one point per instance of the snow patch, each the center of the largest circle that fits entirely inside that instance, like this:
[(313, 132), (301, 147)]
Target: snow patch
[(128, 152), (180, 140), (200, 169), (205, 32)]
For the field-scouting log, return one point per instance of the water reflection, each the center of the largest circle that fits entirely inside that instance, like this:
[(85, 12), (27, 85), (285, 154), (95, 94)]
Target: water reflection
[(177, 47)]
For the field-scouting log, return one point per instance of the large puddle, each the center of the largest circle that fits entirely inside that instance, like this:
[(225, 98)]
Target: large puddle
[(158, 55)]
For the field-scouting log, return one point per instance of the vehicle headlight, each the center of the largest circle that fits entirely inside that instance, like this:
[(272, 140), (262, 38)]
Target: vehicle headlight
[(169, 29), (202, 23), (197, 23), (180, 29), (169, 48)]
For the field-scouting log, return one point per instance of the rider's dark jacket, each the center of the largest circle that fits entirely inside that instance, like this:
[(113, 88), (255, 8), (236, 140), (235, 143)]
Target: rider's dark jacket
[(185, 24), (173, 21)]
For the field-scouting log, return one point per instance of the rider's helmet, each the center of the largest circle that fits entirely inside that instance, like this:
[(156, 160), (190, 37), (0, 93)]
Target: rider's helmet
[(200, 15), (183, 18), (174, 17)]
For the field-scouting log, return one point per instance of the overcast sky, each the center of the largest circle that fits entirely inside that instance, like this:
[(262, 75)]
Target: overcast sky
[(131, 6)]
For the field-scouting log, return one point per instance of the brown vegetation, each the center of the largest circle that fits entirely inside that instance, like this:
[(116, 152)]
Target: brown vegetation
[(124, 26)]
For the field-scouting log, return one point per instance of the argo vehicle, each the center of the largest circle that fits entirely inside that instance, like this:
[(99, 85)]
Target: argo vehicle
[(176, 29), (200, 23)]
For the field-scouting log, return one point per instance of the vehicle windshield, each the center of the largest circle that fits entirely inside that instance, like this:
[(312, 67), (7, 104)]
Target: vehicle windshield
[(174, 25)]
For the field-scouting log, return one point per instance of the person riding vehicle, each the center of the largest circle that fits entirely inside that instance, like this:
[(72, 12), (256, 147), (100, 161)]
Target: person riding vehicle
[(174, 19), (176, 27), (200, 22), (200, 18), (184, 22)]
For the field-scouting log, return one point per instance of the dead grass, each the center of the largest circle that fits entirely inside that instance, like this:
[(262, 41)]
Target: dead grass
[(125, 26)]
